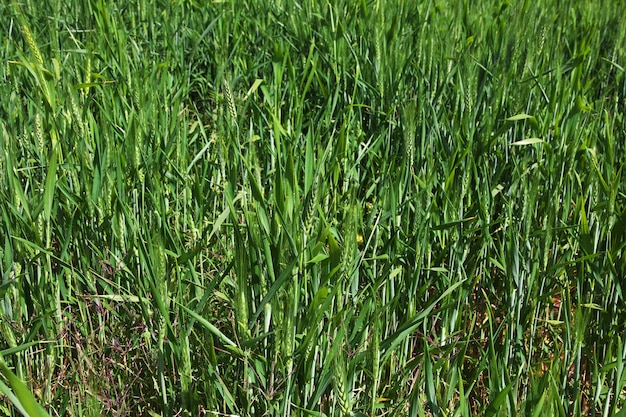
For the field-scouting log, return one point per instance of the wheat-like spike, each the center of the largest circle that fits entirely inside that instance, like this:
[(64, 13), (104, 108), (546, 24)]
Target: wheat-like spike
[(340, 382), (152, 124), (411, 148), (7, 69), (288, 335), (349, 239), (77, 116), (41, 226), (120, 231), (39, 135), (138, 147), (484, 209), (85, 91), (468, 100), (88, 71), (430, 69), (517, 52), (542, 40), (108, 200), (547, 241), (221, 151), (465, 183), (229, 100), (419, 56), (7, 332), (136, 100), (32, 45), (526, 209), (379, 51), (310, 221), (409, 134), (160, 266)]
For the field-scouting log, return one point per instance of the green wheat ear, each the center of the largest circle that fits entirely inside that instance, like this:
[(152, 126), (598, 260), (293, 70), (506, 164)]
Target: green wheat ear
[(32, 45), (229, 100)]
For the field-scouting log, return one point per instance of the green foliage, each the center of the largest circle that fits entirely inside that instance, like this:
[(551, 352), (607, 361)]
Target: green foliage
[(312, 208)]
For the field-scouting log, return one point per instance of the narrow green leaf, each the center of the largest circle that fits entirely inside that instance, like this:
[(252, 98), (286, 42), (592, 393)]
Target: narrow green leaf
[(253, 88), (430, 381), (51, 178), (282, 279), (17, 349), (592, 306), (219, 221), (210, 327), (528, 141), (521, 116), (199, 155), (318, 258)]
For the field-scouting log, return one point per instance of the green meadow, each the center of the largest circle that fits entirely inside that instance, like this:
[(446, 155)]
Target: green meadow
[(312, 208)]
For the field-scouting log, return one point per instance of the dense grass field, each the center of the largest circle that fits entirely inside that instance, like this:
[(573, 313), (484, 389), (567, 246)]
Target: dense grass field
[(312, 208)]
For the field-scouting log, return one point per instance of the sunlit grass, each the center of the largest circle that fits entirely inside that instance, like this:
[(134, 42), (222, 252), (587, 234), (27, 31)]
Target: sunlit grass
[(313, 208)]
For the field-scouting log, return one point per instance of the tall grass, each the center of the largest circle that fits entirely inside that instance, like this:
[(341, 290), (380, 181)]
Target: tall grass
[(312, 208)]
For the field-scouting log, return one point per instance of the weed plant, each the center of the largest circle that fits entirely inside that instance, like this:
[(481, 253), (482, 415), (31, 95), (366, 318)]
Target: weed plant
[(312, 208)]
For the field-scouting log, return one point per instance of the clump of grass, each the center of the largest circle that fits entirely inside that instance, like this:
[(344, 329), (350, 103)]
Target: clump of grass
[(311, 208)]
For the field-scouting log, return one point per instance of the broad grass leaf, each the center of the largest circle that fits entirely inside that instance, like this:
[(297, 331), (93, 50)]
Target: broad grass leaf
[(495, 405), (539, 406), (320, 297), (621, 413), (6, 391)]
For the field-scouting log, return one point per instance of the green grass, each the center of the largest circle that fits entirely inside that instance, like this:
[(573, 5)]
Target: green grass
[(312, 208)]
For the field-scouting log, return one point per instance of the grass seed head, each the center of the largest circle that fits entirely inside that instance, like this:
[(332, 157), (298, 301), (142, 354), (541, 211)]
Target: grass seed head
[(32, 45)]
